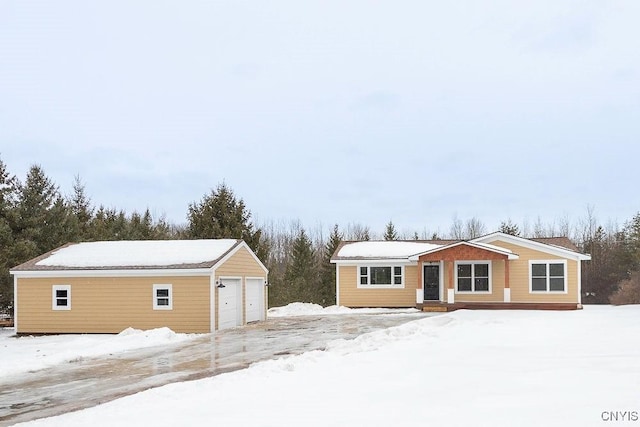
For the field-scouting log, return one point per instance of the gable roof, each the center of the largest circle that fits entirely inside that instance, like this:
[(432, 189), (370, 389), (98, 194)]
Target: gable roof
[(560, 246), (484, 246), (135, 255)]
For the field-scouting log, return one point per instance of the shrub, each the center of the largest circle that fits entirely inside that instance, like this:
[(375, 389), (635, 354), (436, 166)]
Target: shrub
[(628, 291)]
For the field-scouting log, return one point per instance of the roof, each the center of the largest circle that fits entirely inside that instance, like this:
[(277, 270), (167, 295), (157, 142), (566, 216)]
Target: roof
[(385, 249), (133, 255), (410, 250)]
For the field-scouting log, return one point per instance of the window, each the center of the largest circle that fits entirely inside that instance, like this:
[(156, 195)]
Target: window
[(548, 276), (473, 276), (381, 276), (162, 297), (61, 297)]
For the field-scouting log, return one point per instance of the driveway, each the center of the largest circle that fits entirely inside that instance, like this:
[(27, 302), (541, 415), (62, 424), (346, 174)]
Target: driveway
[(85, 383)]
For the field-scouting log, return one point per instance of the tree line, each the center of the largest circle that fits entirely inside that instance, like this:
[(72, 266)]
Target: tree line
[(35, 217)]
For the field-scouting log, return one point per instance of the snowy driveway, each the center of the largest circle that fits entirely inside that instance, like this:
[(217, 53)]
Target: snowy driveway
[(85, 383)]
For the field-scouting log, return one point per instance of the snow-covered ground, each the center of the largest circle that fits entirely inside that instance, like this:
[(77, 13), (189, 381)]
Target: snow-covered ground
[(24, 354), (466, 368)]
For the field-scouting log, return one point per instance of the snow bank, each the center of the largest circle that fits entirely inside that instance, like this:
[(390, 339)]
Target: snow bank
[(308, 309), (490, 368), (28, 353)]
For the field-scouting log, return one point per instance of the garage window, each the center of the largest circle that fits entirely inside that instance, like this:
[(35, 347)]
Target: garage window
[(61, 297), (162, 297)]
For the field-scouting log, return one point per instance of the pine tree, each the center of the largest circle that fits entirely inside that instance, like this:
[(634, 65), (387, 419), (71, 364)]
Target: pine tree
[(301, 275), (8, 192), (328, 283), (43, 216), (81, 211), (220, 215), (390, 232), (509, 227)]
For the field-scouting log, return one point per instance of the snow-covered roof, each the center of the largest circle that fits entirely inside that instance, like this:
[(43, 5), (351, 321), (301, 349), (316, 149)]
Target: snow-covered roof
[(383, 249), (134, 254)]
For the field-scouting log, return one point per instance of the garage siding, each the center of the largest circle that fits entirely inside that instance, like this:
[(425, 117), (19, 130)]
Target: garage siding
[(112, 304)]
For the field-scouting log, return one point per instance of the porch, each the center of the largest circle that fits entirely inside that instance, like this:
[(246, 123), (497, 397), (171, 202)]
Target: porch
[(437, 306)]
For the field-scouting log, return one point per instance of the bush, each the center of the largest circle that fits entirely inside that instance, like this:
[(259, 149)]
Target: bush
[(628, 291)]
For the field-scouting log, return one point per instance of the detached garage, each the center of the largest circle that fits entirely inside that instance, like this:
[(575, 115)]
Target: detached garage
[(105, 287)]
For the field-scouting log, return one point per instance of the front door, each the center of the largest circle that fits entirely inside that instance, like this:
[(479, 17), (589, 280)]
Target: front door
[(431, 279)]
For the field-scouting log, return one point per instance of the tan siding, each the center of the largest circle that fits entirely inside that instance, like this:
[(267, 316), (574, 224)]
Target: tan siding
[(241, 265), (519, 276), (352, 296), (112, 304), (497, 287)]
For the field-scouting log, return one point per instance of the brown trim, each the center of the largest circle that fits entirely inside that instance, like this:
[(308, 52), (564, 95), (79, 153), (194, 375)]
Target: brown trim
[(437, 307)]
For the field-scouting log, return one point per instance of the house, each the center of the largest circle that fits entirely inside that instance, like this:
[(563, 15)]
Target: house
[(493, 271), (106, 287)]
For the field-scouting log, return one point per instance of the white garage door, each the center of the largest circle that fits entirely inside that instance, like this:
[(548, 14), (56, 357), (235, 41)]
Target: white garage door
[(229, 304), (255, 300)]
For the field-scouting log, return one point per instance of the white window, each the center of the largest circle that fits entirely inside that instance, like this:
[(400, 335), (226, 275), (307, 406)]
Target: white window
[(162, 297), (473, 276), (61, 297), (389, 276), (548, 276)]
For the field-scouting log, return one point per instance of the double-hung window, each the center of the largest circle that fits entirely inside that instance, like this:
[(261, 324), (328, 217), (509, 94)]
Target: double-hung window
[(390, 276), (548, 276), (162, 297), (61, 297), (473, 276)]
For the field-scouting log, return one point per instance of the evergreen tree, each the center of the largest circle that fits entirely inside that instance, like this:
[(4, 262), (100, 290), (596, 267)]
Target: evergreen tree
[(81, 211), (220, 215), (301, 275), (43, 216), (390, 232), (328, 283), (509, 227), (8, 191)]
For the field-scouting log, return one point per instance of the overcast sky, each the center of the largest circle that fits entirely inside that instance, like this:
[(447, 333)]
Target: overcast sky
[(330, 111)]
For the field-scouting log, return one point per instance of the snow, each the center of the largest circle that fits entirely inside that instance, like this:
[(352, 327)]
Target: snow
[(29, 353), (308, 309), (384, 249), (465, 368), (138, 253)]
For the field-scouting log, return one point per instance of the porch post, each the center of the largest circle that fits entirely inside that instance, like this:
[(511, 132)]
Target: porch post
[(507, 288), (450, 291), (419, 286)]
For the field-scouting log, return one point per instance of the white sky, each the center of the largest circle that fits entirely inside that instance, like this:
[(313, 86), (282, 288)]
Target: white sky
[(330, 111)]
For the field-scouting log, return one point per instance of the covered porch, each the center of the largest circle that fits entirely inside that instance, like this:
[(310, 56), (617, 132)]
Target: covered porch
[(462, 274)]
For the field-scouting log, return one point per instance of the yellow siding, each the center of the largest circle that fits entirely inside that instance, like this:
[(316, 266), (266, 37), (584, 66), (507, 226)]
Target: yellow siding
[(352, 296), (241, 265), (112, 304), (519, 276), (497, 286)]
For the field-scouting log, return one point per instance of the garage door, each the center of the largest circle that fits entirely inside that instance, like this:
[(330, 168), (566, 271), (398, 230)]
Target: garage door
[(229, 304), (255, 300)]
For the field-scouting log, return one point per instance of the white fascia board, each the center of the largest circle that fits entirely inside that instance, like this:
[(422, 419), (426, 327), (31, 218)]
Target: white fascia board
[(536, 246), (113, 273), (233, 251), (377, 261)]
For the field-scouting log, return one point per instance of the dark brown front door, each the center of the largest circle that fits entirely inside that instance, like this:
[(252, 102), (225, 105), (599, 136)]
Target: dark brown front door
[(431, 277)]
